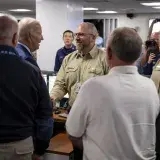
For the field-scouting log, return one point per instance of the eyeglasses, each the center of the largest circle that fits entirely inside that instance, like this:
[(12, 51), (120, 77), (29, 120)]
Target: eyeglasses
[(82, 34)]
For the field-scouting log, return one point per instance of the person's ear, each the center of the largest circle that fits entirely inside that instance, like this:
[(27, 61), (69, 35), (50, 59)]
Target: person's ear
[(72, 38), (109, 53), (15, 39), (29, 37), (94, 37)]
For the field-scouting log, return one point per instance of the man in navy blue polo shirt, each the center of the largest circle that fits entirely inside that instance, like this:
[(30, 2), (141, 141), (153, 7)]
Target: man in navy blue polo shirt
[(26, 122), (69, 47)]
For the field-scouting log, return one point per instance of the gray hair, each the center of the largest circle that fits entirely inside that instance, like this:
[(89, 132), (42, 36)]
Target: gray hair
[(126, 44), (27, 25), (7, 27), (91, 27)]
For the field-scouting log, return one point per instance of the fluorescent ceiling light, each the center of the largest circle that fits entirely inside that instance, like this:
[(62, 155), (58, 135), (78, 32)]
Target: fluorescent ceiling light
[(90, 9), (156, 7), (20, 10), (109, 12), (151, 4)]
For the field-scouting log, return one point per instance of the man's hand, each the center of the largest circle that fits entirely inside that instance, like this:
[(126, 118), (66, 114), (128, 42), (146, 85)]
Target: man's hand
[(151, 58)]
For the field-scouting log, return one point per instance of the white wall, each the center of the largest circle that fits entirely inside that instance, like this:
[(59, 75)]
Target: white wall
[(140, 20), (55, 16)]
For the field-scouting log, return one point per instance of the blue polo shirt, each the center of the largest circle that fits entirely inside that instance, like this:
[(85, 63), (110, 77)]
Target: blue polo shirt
[(60, 55)]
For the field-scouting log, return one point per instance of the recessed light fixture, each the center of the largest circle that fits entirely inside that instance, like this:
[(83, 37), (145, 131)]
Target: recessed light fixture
[(109, 12), (90, 9), (20, 10), (156, 7), (151, 4)]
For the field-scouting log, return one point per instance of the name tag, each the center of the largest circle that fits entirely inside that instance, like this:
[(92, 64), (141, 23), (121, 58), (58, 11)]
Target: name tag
[(78, 86)]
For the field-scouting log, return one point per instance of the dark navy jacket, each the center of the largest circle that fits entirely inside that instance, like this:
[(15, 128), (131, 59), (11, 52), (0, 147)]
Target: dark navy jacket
[(25, 106), (25, 54), (60, 55), (148, 68)]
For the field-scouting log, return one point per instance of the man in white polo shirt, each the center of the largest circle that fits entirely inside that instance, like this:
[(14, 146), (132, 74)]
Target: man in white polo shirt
[(113, 117)]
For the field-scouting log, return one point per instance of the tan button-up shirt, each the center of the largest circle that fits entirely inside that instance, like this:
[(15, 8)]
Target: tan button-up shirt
[(156, 76), (75, 70)]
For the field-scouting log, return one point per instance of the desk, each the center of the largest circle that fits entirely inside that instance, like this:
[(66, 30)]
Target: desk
[(59, 124), (60, 148), (58, 118)]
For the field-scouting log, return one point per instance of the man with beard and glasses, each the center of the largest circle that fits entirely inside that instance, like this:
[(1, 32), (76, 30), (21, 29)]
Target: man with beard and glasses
[(88, 61)]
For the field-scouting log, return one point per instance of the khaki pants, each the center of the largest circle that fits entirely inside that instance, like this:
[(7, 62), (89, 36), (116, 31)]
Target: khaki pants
[(21, 150)]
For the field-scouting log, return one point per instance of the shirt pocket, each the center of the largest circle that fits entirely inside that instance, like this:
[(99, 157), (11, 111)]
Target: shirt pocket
[(71, 69), (95, 71), (71, 74)]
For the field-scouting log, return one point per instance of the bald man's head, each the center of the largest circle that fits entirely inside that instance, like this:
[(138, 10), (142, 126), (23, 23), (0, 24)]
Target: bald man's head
[(85, 36), (89, 27), (30, 33), (8, 30)]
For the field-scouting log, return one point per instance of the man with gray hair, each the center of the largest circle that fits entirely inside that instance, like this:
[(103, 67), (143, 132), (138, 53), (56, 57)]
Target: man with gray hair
[(25, 106), (30, 37), (115, 115)]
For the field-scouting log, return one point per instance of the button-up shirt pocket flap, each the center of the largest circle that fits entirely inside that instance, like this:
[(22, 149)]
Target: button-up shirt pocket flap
[(95, 70), (71, 69)]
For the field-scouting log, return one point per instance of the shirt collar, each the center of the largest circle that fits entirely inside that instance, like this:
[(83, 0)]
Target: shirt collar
[(72, 47), (124, 70), (92, 53), (25, 47)]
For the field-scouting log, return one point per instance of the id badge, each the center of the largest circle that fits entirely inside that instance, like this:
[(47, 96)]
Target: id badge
[(78, 86)]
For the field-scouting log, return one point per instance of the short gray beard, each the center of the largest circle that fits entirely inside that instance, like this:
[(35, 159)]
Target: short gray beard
[(79, 47)]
